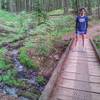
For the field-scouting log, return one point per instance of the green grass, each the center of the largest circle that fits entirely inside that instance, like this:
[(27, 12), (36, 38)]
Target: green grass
[(25, 60), (20, 21), (9, 38), (64, 25), (97, 38), (3, 64), (8, 19), (7, 16), (10, 74), (97, 45), (41, 80), (10, 78), (97, 41)]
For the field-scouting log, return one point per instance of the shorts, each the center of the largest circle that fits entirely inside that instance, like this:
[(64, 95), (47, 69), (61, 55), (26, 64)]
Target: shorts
[(80, 32)]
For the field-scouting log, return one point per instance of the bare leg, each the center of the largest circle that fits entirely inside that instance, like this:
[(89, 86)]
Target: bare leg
[(76, 39), (83, 39)]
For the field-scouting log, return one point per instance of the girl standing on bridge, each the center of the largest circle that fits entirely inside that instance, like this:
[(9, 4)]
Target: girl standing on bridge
[(81, 24)]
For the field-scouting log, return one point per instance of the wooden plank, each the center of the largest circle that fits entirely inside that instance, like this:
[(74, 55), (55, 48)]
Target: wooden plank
[(80, 77)]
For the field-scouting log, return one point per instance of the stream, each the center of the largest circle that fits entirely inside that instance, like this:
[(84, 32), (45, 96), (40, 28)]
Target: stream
[(23, 74), (29, 76)]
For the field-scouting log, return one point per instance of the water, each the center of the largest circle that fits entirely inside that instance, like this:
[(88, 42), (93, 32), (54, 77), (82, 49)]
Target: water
[(23, 98), (10, 91), (30, 77), (18, 65)]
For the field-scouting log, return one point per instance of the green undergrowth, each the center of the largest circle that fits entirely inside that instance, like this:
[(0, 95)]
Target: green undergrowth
[(9, 38), (43, 37), (97, 44), (41, 80), (21, 23), (3, 64), (97, 41), (25, 60), (7, 16), (54, 12), (10, 78), (51, 29), (9, 75)]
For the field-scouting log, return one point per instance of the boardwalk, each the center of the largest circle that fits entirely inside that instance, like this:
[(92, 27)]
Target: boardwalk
[(80, 77)]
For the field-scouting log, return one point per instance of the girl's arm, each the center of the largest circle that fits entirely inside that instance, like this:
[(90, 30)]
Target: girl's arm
[(86, 24), (76, 26)]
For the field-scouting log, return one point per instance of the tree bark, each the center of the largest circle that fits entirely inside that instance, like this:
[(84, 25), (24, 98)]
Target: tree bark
[(98, 4), (65, 6), (89, 7)]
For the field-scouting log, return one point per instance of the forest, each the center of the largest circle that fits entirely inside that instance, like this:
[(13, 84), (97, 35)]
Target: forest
[(49, 5), (33, 36)]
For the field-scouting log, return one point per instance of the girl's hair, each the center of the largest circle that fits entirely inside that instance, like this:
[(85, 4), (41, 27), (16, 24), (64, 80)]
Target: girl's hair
[(82, 9)]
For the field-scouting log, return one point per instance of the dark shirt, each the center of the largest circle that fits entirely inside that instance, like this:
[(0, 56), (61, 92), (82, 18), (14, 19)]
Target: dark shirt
[(81, 24)]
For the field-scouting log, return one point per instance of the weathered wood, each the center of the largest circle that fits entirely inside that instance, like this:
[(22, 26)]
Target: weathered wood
[(96, 50), (80, 76), (49, 87)]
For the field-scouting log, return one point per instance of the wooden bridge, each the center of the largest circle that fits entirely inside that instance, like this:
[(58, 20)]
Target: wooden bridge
[(78, 78)]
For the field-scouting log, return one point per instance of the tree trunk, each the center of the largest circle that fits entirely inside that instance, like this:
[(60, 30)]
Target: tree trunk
[(98, 2), (89, 7), (77, 7), (65, 6)]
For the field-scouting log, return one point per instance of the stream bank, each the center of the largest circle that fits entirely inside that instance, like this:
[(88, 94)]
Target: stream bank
[(33, 81)]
